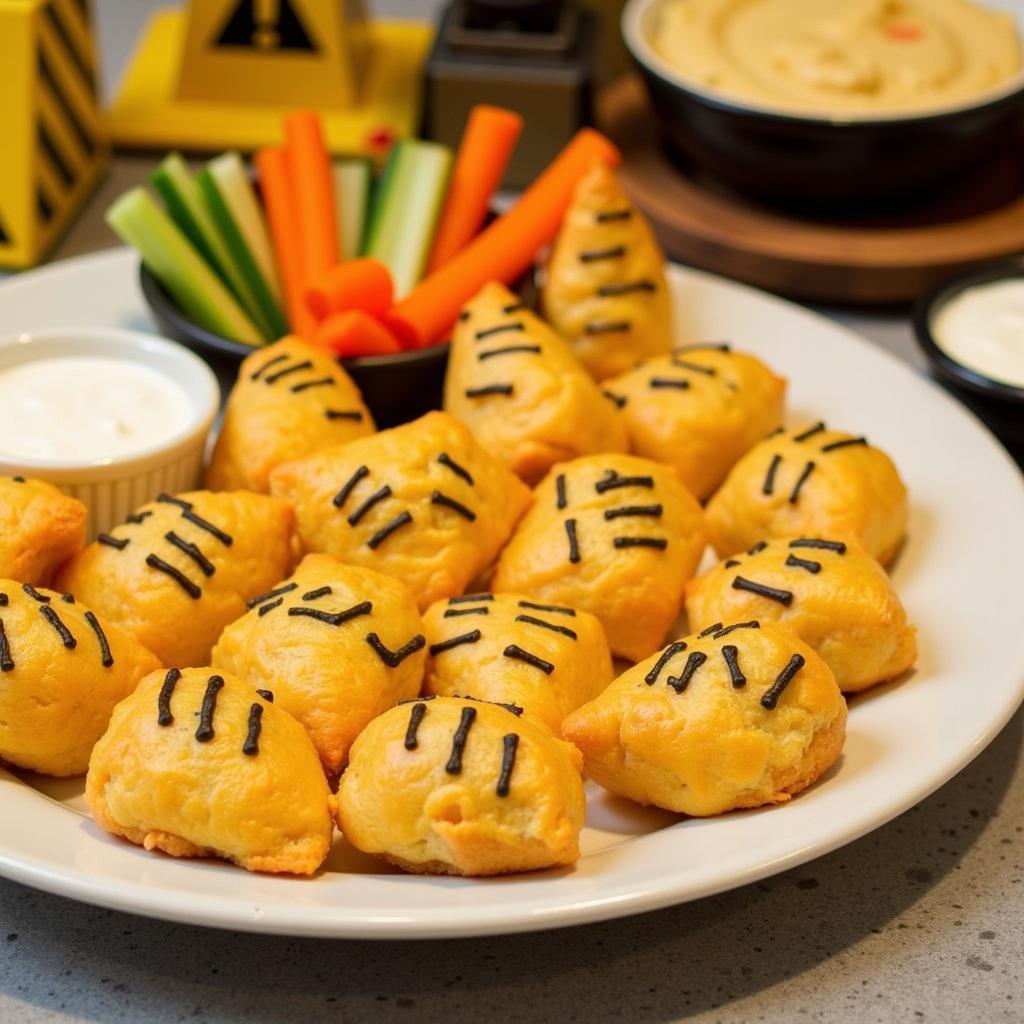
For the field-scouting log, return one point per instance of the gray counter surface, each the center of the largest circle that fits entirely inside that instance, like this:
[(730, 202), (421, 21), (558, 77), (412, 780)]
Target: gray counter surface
[(919, 921)]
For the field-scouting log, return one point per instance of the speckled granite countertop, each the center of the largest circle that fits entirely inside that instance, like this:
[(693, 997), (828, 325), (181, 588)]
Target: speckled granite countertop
[(922, 920)]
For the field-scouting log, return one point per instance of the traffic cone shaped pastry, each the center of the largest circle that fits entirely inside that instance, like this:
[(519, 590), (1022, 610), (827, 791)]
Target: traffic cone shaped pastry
[(290, 399), (605, 289), (517, 385)]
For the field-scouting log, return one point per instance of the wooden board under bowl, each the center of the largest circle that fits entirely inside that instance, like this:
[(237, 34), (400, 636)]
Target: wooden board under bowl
[(870, 257)]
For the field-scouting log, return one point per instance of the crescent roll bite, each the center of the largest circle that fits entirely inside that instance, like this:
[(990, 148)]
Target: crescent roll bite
[(40, 529), (182, 567), (699, 409), (290, 399), (507, 648), (520, 389), (615, 535), (605, 288), (198, 764), (832, 594), (811, 481), (424, 502), (453, 786), (337, 644), (737, 716), (62, 671)]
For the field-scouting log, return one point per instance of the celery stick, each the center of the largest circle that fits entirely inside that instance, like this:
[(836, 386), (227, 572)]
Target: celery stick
[(185, 204), (406, 212), (235, 186), (352, 182), (217, 207), (165, 250)]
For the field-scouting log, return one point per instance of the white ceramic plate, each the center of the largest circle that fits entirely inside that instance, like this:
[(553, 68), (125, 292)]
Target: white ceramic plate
[(960, 576)]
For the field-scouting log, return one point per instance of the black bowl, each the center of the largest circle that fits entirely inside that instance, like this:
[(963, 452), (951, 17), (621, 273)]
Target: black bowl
[(808, 160), (396, 388), (1000, 405)]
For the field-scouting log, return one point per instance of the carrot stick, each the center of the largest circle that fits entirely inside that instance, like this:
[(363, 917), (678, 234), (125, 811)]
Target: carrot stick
[(503, 250), (355, 284), (313, 193), (490, 136), (275, 184), (354, 333)]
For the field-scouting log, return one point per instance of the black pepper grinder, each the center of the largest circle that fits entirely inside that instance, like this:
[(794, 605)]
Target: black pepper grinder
[(532, 56)]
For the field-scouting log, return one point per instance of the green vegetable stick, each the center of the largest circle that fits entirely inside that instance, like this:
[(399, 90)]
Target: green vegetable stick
[(168, 254)]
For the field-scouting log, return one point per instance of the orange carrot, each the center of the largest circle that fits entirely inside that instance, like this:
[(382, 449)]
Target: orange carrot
[(354, 333), (355, 284), (275, 184), (503, 250), (490, 135), (313, 193)]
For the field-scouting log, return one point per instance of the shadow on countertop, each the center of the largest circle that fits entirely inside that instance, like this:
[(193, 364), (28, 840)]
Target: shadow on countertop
[(859, 934)]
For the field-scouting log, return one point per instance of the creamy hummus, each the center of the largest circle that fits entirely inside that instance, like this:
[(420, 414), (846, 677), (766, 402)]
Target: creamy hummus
[(840, 56)]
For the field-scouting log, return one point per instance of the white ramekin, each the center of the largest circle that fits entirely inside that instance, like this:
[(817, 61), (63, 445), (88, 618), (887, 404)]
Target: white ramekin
[(111, 488)]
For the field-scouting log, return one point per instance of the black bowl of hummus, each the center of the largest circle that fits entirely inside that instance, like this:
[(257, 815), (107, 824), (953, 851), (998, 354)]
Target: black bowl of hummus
[(834, 102)]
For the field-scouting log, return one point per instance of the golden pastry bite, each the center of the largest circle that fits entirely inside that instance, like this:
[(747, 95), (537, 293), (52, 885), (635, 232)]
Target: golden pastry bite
[(520, 389), (605, 288), (202, 765), (337, 644), (424, 502), (62, 671), (832, 594), (811, 481), (738, 716), (699, 410), (290, 399), (40, 529), (615, 535), (455, 786), (182, 567), (506, 648)]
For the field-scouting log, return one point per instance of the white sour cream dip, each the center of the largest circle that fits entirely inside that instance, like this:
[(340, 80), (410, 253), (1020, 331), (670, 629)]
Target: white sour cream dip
[(982, 328), (83, 408)]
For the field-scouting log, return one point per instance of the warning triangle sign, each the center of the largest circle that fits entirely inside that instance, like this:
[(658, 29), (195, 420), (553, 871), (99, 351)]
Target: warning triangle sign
[(277, 27)]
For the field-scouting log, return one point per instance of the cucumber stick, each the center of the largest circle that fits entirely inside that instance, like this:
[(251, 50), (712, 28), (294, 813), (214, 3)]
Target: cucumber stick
[(235, 186), (406, 210), (172, 259), (173, 180), (230, 233), (353, 180)]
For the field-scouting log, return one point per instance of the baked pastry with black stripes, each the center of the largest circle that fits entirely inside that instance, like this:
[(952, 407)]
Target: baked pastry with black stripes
[(548, 659), (520, 389), (736, 716), (424, 502), (290, 399), (337, 644), (615, 535), (201, 764), (831, 593), (815, 482), (179, 569), (455, 786), (699, 409), (605, 287), (40, 529), (62, 671)]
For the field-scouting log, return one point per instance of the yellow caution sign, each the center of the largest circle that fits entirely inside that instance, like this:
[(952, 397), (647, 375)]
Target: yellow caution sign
[(220, 74), (55, 145), (300, 52)]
